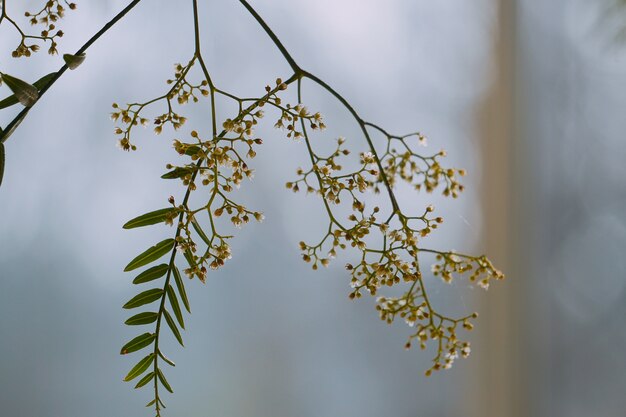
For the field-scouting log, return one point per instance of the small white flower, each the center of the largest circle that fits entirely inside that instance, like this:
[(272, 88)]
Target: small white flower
[(367, 158)]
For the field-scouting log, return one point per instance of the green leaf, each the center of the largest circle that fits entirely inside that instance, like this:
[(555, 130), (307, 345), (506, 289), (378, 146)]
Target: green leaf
[(151, 274), (143, 381), (192, 150), (166, 359), (151, 254), (145, 297), (142, 318), (176, 173), (8, 102), (199, 231), (164, 381), (189, 257), (140, 368), (27, 94), (171, 295), (138, 343), (172, 326), (151, 403), (1, 159), (181, 288), (39, 84), (154, 217), (44, 81)]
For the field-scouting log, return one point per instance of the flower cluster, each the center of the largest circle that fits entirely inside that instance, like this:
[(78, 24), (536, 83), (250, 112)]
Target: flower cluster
[(332, 183), (389, 248), (419, 170), (481, 268), (181, 90), (49, 15), (218, 163), (52, 11), (292, 116)]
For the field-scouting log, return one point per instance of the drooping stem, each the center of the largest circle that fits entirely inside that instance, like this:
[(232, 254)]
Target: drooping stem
[(294, 66), (300, 72)]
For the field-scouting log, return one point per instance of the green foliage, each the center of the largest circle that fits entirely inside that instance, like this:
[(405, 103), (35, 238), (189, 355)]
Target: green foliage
[(150, 255), (142, 318), (39, 85), (25, 93), (145, 297), (154, 217), (151, 274), (138, 343)]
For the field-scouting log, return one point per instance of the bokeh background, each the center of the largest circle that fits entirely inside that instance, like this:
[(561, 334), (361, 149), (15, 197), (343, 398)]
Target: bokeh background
[(529, 96)]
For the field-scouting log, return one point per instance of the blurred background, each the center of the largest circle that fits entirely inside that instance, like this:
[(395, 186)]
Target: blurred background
[(528, 96)]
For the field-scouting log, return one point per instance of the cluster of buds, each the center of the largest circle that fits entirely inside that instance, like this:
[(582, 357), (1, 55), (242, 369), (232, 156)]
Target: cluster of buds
[(182, 90), (328, 164), (393, 260), (215, 256), (449, 347), (129, 117), (406, 307), (388, 270), (332, 183), (420, 171), (291, 116), (209, 156), (238, 214), (482, 270), (171, 117), (221, 164), (429, 326), (24, 50), (52, 11), (48, 16), (339, 237)]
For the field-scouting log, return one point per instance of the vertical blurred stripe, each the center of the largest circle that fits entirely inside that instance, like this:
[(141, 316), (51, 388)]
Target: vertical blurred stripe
[(495, 387)]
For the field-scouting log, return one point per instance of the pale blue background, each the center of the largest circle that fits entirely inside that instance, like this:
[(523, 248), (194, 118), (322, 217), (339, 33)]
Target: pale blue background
[(268, 337)]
